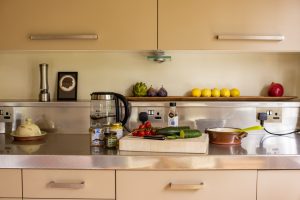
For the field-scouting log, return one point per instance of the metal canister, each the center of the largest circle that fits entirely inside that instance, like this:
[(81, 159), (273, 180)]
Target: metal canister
[(118, 128)]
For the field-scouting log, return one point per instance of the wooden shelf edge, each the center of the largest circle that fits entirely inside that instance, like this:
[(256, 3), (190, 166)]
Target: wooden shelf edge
[(241, 98)]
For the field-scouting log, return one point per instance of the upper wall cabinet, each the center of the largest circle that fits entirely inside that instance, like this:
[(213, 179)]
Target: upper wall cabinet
[(258, 25), (119, 24)]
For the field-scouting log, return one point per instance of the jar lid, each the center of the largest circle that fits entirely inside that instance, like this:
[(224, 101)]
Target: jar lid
[(117, 124)]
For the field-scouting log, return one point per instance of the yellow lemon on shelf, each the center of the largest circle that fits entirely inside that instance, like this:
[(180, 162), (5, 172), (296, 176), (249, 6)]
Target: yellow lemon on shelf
[(234, 92), (215, 92), (225, 92), (206, 92), (196, 92)]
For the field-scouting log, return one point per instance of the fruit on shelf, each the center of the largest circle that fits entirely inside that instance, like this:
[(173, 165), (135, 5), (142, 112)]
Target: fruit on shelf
[(234, 92), (206, 92), (275, 90), (151, 92), (215, 92), (162, 92), (196, 92), (139, 89), (225, 92)]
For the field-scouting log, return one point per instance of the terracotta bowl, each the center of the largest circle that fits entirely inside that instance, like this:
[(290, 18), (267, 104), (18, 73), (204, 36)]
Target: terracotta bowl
[(225, 135)]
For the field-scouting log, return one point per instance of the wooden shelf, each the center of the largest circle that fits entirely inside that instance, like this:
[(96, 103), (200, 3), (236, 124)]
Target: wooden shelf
[(241, 98)]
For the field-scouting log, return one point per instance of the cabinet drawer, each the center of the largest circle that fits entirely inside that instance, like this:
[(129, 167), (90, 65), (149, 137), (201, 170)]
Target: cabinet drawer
[(69, 184), (278, 185), (192, 185), (10, 183)]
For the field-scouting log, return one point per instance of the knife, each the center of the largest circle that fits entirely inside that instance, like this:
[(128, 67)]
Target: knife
[(155, 137)]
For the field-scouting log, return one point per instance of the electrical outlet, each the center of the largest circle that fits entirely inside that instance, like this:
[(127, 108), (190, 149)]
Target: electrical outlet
[(154, 114), (6, 114), (274, 114)]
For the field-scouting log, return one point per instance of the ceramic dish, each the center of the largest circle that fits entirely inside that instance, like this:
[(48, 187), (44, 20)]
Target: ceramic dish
[(28, 138)]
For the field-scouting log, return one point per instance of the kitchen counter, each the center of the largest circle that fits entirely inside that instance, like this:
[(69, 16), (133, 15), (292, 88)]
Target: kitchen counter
[(72, 151)]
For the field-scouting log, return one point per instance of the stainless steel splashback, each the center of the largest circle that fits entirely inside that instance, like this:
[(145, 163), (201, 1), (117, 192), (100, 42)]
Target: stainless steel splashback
[(73, 117)]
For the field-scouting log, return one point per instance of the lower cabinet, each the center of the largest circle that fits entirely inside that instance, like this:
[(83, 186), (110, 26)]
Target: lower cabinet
[(71, 184), (189, 185), (10, 184), (278, 185), (149, 185)]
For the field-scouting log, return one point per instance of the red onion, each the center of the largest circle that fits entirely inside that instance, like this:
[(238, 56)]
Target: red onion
[(275, 90)]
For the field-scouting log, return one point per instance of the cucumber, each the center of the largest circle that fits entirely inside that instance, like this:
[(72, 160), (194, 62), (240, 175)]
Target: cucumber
[(167, 131), (192, 133)]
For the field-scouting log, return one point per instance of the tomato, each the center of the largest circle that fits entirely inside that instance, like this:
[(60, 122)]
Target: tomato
[(142, 126), (148, 124), (152, 132), (135, 133), (141, 133), (147, 132)]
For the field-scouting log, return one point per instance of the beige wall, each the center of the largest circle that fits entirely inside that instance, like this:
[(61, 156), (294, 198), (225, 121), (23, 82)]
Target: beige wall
[(118, 71)]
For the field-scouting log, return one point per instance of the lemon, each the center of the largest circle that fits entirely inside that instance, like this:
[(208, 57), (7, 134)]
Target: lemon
[(206, 92), (234, 92), (215, 92), (196, 92), (225, 92)]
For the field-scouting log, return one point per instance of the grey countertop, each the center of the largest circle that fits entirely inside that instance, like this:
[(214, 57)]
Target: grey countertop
[(72, 151)]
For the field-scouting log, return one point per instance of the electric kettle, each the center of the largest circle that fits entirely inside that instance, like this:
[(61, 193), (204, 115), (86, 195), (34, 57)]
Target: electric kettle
[(108, 108)]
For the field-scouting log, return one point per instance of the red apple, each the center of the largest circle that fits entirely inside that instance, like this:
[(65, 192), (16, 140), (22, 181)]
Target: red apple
[(275, 90)]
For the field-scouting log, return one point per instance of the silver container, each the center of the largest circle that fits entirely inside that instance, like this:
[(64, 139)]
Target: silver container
[(44, 95)]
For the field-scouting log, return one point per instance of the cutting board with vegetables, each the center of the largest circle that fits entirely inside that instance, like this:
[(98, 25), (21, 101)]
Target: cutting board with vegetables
[(187, 145)]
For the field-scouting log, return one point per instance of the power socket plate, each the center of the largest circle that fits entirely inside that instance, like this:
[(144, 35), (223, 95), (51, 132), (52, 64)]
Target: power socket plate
[(6, 114), (274, 114), (155, 114)]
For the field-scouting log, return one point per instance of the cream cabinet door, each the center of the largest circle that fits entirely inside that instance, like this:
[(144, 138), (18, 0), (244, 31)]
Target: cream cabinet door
[(196, 24), (191, 185), (10, 183), (278, 185), (120, 24), (98, 184), (10, 198)]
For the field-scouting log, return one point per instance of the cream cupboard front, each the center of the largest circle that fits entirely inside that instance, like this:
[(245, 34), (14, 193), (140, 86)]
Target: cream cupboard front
[(58, 25), (16, 184), (254, 25)]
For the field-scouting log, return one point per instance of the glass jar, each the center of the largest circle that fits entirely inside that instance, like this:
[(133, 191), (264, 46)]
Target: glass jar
[(110, 140), (118, 128)]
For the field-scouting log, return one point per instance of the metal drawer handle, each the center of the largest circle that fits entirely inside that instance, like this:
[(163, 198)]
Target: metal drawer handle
[(64, 37), (251, 37), (54, 184), (186, 186)]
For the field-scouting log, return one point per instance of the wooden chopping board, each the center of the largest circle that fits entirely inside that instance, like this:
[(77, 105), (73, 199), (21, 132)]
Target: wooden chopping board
[(190, 145)]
